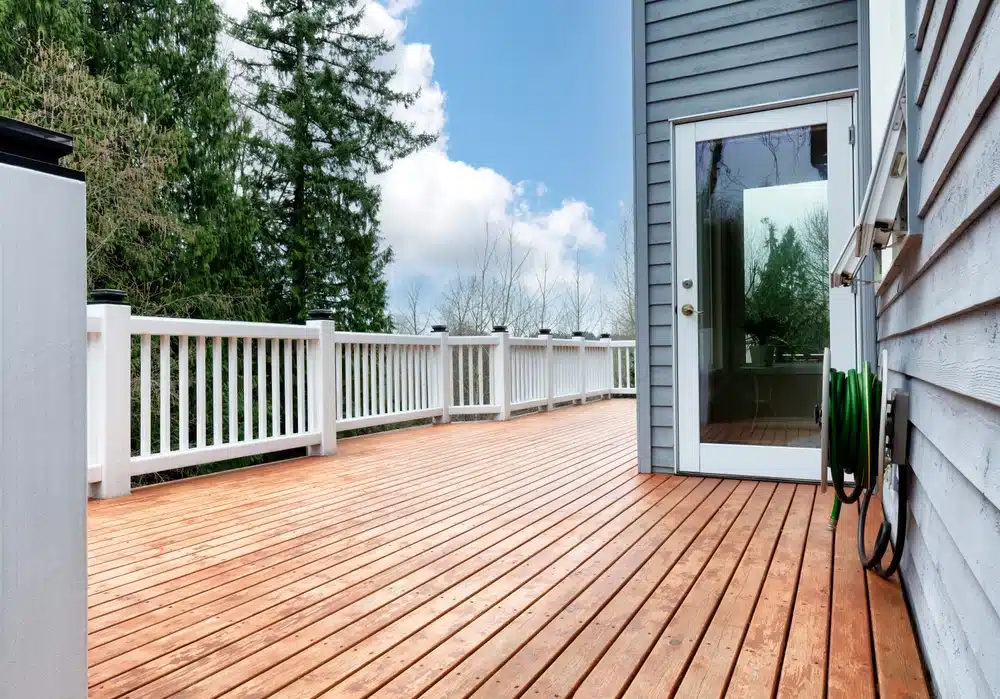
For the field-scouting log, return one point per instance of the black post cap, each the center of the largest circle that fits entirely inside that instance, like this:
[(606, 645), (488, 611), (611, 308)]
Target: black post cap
[(499, 328), (320, 314), (577, 333), (439, 328), (605, 336), (545, 331), (110, 297)]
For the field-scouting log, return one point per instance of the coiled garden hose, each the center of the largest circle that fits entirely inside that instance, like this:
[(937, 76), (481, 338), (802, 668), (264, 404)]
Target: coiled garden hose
[(855, 407), (855, 400)]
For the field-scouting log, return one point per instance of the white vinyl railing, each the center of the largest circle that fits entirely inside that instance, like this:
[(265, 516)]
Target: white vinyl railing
[(209, 391)]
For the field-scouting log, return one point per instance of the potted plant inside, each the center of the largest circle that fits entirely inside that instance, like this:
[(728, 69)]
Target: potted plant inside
[(763, 329)]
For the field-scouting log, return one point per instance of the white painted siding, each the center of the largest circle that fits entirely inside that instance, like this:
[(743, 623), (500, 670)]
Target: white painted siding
[(940, 322)]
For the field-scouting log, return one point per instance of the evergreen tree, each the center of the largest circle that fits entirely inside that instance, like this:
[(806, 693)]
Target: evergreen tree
[(324, 108), (164, 54), (25, 23)]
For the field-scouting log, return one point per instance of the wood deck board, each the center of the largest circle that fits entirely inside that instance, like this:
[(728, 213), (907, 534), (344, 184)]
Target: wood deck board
[(492, 559)]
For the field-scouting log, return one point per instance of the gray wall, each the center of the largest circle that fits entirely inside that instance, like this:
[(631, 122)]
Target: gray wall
[(941, 325), (691, 57), (43, 466)]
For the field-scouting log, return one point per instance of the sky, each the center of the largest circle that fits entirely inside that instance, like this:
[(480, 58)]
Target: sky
[(532, 99)]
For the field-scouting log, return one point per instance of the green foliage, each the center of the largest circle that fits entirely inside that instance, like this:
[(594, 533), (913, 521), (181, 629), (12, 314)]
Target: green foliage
[(165, 57), (23, 23), (202, 205), (132, 231), (325, 110), (786, 295)]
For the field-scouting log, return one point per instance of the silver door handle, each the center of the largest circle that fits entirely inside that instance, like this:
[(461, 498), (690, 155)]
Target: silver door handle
[(687, 309)]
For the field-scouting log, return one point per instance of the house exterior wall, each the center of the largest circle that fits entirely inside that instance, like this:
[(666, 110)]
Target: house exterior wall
[(940, 322), (692, 57)]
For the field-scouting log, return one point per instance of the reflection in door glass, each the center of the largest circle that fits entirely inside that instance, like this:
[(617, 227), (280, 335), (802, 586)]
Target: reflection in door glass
[(762, 266)]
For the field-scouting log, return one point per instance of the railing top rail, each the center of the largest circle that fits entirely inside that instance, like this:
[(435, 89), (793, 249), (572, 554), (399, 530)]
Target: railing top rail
[(145, 325), (623, 343), (565, 343), (528, 341), (386, 339), (473, 340)]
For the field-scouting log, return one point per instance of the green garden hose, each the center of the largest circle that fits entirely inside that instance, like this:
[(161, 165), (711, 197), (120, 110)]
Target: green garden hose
[(854, 410)]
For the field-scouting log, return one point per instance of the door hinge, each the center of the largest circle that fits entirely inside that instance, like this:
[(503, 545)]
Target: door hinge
[(850, 134)]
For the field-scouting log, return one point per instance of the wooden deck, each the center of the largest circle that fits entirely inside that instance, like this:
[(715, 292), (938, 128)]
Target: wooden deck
[(490, 560)]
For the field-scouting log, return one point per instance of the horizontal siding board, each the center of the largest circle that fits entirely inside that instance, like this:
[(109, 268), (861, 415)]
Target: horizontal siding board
[(752, 55), (763, 93), (658, 152), (661, 294), (659, 213), (661, 396), (662, 335), (932, 645), (964, 520), (660, 233), (663, 456), (661, 314), (660, 254), (961, 355), (665, 9), (955, 658), (754, 74), (661, 356), (659, 131), (663, 417), (659, 193), (662, 376), (934, 38), (731, 15), (973, 450), (947, 132), (765, 29), (660, 274), (658, 172), (979, 623), (972, 186), (964, 276)]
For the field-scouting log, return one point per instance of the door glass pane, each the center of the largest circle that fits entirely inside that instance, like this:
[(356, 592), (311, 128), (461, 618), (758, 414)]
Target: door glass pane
[(763, 291)]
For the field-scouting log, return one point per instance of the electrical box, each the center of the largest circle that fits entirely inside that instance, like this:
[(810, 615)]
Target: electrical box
[(43, 469)]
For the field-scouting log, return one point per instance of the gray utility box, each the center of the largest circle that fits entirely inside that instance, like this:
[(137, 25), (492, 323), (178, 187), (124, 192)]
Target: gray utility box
[(43, 421)]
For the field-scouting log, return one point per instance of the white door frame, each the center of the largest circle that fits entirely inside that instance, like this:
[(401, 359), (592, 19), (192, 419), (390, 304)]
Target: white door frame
[(791, 463)]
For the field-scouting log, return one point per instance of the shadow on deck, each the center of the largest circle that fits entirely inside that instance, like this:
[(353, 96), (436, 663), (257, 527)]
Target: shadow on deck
[(487, 559)]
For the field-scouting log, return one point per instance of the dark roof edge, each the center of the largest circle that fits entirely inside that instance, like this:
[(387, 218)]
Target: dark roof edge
[(35, 148)]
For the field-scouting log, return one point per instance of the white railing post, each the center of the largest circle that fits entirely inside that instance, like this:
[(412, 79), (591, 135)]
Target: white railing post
[(446, 384), (546, 334), (323, 382), (109, 363), (582, 366), (609, 367), (501, 381)]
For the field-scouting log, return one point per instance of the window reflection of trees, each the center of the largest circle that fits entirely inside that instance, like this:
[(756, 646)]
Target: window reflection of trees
[(785, 299)]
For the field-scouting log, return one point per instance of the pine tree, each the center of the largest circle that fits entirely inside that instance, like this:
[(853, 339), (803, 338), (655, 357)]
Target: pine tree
[(324, 107), (164, 54)]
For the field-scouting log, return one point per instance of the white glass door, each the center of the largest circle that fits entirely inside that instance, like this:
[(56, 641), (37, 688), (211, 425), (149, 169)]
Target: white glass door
[(762, 200)]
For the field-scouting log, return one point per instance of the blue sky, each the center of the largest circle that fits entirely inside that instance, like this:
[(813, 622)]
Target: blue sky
[(537, 90)]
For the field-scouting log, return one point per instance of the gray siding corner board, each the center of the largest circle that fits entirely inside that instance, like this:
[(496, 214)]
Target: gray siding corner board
[(693, 57)]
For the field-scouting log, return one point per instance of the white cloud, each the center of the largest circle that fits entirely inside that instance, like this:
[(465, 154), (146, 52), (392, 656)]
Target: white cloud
[(435, 209)]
